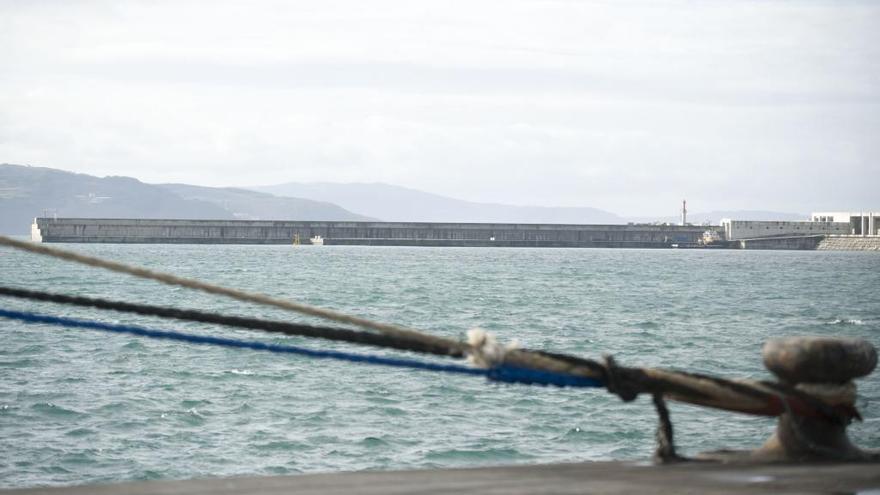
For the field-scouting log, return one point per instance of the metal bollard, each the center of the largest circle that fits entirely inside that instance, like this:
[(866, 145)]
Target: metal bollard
[(823, 367)]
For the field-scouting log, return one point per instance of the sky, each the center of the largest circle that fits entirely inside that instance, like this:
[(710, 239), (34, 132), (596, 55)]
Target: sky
[(627, 106)]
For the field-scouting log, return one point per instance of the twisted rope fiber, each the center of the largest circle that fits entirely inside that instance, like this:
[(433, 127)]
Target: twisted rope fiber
[(514, 358), (167, 278), (509, 374), (760, 398), (327, 333), (624, 382), (505, 373), (750, 397)]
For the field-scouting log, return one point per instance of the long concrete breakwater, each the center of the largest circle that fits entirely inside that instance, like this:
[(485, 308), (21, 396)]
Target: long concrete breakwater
[(90, 230), (168, 231)]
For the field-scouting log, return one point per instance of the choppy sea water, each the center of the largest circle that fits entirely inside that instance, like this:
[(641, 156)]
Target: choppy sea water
[(83, 407)]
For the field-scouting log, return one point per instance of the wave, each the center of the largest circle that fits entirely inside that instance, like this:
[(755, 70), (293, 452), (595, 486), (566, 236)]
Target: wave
[(51, 409), (841, 321)]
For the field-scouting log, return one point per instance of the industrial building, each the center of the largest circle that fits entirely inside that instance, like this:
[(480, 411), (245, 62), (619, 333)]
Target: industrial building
[(820, 223), (858, 223), (735, 230)]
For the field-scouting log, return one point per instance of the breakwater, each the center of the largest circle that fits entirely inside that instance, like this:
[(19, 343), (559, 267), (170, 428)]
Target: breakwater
[(810, 243), (800, 243), (849, 243), (150, 231)]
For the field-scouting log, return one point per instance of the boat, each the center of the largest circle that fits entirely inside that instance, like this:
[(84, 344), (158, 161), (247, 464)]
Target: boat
[(710, 237), (317, 240)]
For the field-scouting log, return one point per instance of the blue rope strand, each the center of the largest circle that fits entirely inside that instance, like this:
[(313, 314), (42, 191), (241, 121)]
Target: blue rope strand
[(508, 374)]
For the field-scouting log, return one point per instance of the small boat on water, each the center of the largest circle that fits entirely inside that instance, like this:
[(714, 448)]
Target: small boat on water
[(317, 240)]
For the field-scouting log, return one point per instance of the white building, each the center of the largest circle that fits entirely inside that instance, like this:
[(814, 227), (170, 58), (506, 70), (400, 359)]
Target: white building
[(859, 223), (735, 230)]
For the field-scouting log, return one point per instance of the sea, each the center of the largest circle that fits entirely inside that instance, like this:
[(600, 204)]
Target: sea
[(79, 406)]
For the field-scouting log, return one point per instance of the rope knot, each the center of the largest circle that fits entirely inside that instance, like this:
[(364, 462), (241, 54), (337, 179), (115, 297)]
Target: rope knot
[(840, 397), (485, 350), (833, 394), (613, 381)]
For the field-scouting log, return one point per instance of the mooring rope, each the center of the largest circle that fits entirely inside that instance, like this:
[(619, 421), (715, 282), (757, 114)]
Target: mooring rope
[(750, 397), (286, 328), (509, 374), (167, 278), (760, 398), (516, 358)]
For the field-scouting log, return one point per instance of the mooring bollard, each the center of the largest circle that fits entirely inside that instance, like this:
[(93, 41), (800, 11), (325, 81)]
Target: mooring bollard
[(825, 368)]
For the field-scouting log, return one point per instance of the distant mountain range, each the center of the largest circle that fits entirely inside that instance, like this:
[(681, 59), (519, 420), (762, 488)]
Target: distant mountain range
[(401, 204), (28, 192), (245, 204), (395, 203)]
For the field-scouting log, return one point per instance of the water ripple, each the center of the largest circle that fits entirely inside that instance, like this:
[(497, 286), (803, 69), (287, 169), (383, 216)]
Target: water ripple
[(79, 407)]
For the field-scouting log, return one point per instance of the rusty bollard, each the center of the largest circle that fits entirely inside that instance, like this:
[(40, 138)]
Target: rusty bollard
[(824, 367)]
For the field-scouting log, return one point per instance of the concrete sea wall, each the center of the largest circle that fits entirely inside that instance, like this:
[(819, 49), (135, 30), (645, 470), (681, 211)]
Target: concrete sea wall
[(812, 242), (801, 243), (87, 230), (849, 243), (735, 230)]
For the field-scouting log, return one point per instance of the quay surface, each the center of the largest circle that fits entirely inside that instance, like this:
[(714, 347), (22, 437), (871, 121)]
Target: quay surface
[(90, 230), (594, 478)]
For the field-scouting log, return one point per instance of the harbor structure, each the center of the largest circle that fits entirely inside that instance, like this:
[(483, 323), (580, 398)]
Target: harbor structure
[(115, 230), (864, 223), (736, 230), (732, 234), (824, 231)]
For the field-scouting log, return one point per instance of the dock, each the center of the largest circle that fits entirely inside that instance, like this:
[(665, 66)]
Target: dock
[(593, 477)]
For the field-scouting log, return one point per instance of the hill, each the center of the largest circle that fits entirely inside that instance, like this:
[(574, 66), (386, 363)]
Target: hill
[(400, 204), (27, 192), (254, 205)]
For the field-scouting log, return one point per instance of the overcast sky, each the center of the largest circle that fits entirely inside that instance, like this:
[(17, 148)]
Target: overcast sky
[(624, 106)]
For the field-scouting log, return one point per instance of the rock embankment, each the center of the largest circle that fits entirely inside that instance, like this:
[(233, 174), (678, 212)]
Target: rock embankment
[(849, 243)]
